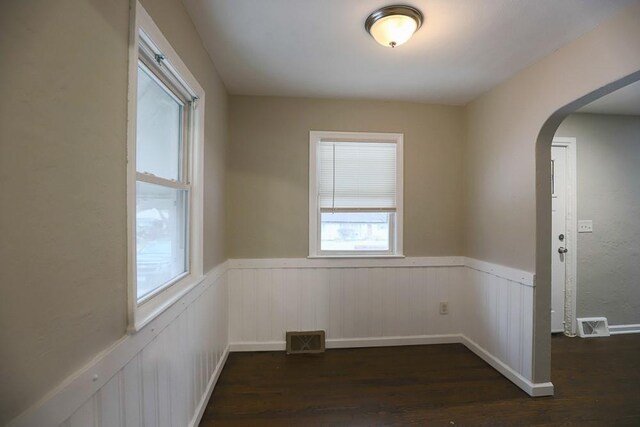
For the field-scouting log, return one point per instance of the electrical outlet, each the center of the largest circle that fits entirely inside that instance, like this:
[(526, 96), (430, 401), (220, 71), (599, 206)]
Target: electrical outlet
[(585, 226), (444, 308)]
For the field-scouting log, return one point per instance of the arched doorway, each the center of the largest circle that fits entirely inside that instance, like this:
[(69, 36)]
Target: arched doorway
[(542, 322)]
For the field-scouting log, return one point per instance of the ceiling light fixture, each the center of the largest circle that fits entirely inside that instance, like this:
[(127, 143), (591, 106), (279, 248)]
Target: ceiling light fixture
[(392, 26)]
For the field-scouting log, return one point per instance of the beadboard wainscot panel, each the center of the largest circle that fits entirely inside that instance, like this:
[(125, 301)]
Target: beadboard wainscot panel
[(497, 321), (162, 375), (358, 302)]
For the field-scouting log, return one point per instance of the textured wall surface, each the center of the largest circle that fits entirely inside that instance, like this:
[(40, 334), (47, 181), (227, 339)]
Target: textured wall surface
[(268, 182), (608, 155), (63, 133)]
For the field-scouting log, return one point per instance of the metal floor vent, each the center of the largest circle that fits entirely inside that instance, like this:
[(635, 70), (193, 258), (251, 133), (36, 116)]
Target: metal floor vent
[(593, 327), (301, 342)]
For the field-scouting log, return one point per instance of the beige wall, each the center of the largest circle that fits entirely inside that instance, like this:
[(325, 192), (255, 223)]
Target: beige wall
[(508, 213), (608, 154), (268, 164), (63, 120)]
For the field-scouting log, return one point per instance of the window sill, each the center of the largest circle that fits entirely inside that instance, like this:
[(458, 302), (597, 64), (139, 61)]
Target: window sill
[(354, 256), (148, 311)]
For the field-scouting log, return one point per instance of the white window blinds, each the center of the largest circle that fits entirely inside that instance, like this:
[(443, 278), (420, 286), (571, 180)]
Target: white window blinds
[(357, 176)]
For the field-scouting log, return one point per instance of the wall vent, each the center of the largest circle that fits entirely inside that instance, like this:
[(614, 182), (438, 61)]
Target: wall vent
[(301, 342), (589, 327)]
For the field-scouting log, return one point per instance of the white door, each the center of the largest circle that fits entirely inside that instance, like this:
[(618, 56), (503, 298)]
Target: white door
[(558, 235)]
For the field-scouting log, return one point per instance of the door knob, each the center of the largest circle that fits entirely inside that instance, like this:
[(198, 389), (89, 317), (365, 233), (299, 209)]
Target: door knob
[(562, 250)]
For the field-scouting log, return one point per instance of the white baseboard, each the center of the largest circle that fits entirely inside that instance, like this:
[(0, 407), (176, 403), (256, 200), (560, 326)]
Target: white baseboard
[(532, 389), (258, 346), (352, 342), (210, 386), (624, 329), (392, 341)]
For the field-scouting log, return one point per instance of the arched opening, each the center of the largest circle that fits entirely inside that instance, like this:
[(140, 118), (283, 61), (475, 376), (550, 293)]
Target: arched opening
[(542, 321)]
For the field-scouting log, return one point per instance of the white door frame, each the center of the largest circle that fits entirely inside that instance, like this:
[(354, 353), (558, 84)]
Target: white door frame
[(571, 259)]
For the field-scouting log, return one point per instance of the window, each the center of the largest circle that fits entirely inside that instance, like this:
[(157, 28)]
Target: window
[(355, 194), (164, 173)]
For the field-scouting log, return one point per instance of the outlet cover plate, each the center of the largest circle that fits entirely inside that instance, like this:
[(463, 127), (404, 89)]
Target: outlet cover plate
[(444, 308), (585, 226)]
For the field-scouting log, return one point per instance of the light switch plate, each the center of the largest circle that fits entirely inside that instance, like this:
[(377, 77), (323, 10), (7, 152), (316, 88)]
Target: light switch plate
[(585, 226)]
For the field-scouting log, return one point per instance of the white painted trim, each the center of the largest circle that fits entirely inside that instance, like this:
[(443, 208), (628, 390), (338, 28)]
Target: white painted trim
[(61, 402), (210, 386), (519, 276), (352, 342), (392, 341), (353, 262), (315, 137), (141, 314), (313, 194), (132, 99), (624, 329), (532, 389), (257, 346), (571, 287), (399, 216)]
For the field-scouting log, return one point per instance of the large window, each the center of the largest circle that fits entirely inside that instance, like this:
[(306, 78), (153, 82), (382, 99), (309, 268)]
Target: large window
[(355, 194), (165, 197), (163, 190)]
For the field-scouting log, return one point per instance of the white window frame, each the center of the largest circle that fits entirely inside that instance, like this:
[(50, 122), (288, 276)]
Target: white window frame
[(315, 138), (144, 32)]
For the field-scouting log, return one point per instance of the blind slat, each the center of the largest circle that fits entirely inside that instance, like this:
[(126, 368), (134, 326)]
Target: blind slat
[(360, 176)]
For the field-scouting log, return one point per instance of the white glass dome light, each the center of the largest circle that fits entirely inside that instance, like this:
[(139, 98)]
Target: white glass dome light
[(392, 26)]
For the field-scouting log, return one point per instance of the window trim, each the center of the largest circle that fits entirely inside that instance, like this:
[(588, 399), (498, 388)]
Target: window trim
[(316, 137), (143, 32)]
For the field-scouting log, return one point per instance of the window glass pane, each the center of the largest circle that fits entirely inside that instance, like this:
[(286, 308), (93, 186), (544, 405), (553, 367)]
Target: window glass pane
[(161, 230), (159, 124), (361, 231)]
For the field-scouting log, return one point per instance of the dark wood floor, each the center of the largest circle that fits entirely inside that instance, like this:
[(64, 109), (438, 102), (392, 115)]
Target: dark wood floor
[(597, 384)]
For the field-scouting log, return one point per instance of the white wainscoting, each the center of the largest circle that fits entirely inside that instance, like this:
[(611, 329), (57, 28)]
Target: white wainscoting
[(368, 304), (498, 316), (161, 376), (497, 321)]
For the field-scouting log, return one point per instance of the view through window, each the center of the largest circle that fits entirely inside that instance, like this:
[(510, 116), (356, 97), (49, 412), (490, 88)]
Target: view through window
[(162, 192)]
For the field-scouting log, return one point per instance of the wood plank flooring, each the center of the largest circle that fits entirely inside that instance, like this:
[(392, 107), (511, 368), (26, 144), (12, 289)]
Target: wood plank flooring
[(597, 383)]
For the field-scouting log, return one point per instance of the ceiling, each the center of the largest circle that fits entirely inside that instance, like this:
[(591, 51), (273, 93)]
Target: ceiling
[(623, 101), (319, 48)]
